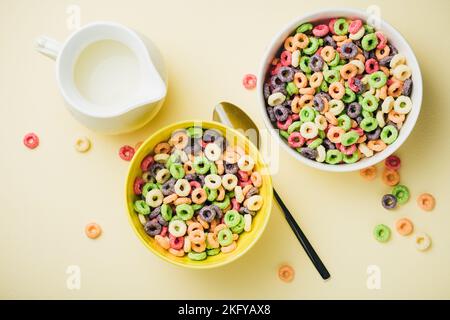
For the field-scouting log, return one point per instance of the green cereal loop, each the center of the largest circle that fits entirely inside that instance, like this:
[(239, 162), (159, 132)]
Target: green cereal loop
[(342, 62), (232, 218), (230, 194), (176, 218), (360, 98), (184, 211), (322, 134), (382, 233), (212, 168), (147, 187), (201, 165), (344, 122), (291, 88), (284, 134), (304, 64), (317, 142), (176, 170), (401, 192), (331, 76), (335, 61), (349, 96), (389, 134), (377, 79), (166, 212), (224, 204), (197, 256), (305, 27), (225, 237), (197, 206), (341, 27), (211, 193), (337, 68), (369, 124), (194, 132), (349, 138), (369, 103), (213, 252), (312, 46), (140, 206), (324, 86), (369, 28), (320, 42), (369, 41), (240, 226), (295, 126), (307, 114), (350, 158), (367, 114), (333, 156)]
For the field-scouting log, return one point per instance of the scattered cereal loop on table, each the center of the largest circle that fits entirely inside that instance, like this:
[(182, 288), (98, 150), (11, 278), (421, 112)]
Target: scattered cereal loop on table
[(286, 273), (126, 153), (31, 140)]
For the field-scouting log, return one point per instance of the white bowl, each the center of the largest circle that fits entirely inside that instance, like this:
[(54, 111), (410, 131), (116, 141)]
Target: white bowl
[(395, 38)]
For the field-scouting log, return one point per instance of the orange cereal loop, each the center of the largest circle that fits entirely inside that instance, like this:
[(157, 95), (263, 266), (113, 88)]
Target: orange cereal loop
[(382, 53), (361, 139), (390, 177), (376, 145), (368, 173), (336, 90), (301, 40), (290, 44), (396, 117), (162, 147), (348, 71), (328, 53), (295, 106), (338, 38), (300, 80), (404, 227), (331, 118), (385, 70), (426, 202), (360, 57), (286, 273), (395, 89), (306, 100), (93, 230), (307, 90)]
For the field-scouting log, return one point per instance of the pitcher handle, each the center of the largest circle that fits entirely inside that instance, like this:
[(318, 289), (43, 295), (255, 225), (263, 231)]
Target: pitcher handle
[(48, 46)]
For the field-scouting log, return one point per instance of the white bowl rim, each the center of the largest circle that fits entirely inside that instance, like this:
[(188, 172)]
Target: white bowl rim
[(412, 63)]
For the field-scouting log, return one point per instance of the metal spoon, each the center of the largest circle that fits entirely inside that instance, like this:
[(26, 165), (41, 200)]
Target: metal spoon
[(232, 116)]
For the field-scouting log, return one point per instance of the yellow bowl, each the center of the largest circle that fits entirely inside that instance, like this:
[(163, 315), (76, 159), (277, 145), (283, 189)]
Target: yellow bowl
[(246, 239)]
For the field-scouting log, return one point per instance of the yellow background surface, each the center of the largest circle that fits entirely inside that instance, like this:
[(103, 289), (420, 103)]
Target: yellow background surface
[(49, 194)]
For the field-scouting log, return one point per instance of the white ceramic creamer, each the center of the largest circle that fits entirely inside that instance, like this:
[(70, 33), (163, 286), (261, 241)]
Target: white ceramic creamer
[(112, 79)]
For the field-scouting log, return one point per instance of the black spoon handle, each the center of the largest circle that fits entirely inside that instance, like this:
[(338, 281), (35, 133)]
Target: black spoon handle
[(303, 240)]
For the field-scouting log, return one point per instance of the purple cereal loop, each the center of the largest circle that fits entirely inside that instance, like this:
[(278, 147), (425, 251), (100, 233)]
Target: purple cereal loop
[(349, 50), (329, 41), (161, 220), (168, 187), (407, 87), (251, 192), (318, 103), (276, 81), (231, 168), (155, 213), (266, 90), (152, 228), (389, 201), (394, 50), (308, 153), (207, 213), (374, 135), (316, 63), (281, 89), (281, 113), (385, 61), (219, 212), (286, 74), (328, 144), (354, 110), (271, 114), (324, 95)]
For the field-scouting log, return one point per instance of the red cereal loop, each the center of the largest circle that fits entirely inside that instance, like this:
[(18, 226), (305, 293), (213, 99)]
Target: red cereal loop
[(382, 40), (354, 26), (176, 242), (372, 65), (126, 153), (146, 163), (31, 140), (392, 162), (249, 81), (331, 25), (286, 58), (276, 68), (195, 184), (137, 186), (164, 230), (242, 175), (321, 30), (284, 125)]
